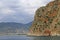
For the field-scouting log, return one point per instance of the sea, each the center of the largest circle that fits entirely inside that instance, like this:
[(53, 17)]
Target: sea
[(24, 37)]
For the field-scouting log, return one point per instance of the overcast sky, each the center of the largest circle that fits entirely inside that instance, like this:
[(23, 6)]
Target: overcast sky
[(20, 11)]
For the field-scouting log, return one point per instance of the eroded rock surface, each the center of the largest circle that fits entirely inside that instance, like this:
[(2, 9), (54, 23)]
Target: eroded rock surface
[(47, 20)]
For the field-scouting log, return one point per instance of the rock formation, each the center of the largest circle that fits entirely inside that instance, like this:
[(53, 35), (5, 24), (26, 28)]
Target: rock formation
[(47, 20)]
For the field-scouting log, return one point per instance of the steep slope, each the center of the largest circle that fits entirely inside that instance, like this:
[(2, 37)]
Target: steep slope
[(47, 20)]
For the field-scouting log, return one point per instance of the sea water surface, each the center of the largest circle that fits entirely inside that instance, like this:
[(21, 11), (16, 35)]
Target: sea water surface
[(24, 37)]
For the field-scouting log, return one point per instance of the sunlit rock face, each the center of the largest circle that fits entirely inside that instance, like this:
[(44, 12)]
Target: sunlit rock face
[(47, 20)]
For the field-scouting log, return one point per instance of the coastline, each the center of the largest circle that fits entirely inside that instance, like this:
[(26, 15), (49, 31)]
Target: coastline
[(29, 34)]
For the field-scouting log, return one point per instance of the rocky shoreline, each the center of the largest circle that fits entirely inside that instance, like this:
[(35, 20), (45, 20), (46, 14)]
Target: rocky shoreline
[(43, 34)]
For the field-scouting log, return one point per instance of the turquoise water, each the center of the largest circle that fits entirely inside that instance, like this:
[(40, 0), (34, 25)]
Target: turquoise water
[(23, 37)]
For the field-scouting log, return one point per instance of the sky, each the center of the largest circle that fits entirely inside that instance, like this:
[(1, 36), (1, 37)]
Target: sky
[(20, 11)]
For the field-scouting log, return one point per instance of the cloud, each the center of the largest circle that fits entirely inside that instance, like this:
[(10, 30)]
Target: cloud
[(7, 11), (30, 6), (21, 11)]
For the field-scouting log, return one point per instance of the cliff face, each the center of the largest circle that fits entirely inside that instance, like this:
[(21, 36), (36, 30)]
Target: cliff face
[(47, 20)]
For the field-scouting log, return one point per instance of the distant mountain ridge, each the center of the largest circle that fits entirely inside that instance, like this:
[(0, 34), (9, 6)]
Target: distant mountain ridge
[(12, 27)]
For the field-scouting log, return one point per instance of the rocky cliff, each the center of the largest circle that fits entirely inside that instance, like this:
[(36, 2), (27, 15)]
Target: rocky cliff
[(47, 20)]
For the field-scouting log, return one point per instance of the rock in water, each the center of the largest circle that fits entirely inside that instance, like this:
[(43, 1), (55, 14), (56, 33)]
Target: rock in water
[(47, 20)]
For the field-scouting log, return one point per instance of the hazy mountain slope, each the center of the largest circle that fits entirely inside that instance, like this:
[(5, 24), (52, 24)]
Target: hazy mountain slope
[(12, 27)]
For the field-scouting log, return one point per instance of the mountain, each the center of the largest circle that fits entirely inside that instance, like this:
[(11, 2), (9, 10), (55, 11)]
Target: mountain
[(47, 20), (12, 27), (28, 24)]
